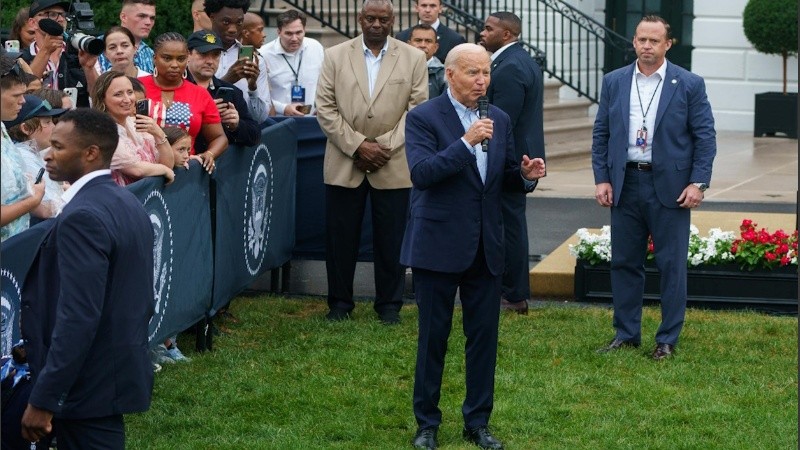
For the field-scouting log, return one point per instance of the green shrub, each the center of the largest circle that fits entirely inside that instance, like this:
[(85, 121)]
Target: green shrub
[(771, 26)]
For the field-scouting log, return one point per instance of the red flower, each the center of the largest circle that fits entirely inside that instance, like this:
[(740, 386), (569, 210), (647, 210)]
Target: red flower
[(747, 224), (769, 256), (782, 249), (785, 260)]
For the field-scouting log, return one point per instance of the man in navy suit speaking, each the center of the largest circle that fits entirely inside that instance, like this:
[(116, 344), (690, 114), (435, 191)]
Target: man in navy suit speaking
[(454, 237), (88, 297), (652, 149)]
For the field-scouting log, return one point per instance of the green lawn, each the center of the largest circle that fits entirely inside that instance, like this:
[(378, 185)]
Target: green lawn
[(283, 378)]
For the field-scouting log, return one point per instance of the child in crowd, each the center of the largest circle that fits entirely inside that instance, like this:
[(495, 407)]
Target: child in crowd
[(31, 131), (181, 144)]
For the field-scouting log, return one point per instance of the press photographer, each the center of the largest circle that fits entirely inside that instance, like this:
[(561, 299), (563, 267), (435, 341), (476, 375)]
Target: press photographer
[(63, 53)]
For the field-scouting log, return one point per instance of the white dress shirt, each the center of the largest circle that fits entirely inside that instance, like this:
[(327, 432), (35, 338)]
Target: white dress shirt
[(259, 100), (648, 88), (468, 117), (282, 71), (373, 63)]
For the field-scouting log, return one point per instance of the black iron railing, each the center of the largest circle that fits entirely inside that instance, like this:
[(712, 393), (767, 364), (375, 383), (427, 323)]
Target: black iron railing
[(569, 45)]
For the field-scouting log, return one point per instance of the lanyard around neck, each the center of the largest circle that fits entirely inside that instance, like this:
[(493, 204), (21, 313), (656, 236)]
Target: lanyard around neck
[(641, 106), (296, 73)]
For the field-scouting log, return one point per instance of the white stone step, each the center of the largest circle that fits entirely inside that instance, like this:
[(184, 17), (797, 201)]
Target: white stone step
[(566, 109), (568, 130)]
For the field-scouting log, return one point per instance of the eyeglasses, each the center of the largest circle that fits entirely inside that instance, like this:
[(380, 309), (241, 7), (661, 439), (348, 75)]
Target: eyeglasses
[(15, 68), (52, 15)]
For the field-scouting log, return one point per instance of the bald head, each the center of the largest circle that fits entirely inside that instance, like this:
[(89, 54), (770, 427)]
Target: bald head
[(199, 16), (252, 19)]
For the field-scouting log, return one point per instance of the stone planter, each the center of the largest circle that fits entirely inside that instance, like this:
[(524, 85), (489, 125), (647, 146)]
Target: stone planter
[(723, 286)]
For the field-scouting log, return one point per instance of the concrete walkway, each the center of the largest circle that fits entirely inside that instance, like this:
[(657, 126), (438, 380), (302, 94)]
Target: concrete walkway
[(751, 176)]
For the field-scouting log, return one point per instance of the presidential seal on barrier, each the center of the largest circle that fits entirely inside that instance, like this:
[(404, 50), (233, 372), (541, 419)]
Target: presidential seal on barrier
[(11, 295), (258, 208), (157, 210)]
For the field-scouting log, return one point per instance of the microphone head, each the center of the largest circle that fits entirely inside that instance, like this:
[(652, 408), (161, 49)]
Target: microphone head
[(51, 27), (483, 106)]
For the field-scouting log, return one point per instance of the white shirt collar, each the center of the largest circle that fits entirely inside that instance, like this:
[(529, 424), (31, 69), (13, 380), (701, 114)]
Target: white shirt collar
[(501, 49), (70, 193), (662, 71), (435, 25), (366, 49)]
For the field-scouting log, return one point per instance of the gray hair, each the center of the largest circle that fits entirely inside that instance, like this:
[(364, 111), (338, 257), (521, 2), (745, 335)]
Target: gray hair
[(377, 3), (459, 50)]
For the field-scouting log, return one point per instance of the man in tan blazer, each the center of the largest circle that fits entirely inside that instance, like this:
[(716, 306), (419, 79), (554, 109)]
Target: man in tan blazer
[(366, 87)]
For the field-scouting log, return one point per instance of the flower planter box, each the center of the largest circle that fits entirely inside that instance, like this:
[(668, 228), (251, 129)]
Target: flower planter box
[(710, 287)]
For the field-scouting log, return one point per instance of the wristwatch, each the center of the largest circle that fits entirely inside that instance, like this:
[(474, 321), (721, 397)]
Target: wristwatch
[(701, 186)]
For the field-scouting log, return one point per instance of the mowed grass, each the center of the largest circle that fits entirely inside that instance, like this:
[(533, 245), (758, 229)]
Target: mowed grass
[(284, 378)]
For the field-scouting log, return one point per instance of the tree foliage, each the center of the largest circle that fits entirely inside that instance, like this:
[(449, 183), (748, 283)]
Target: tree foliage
[(771, 26)]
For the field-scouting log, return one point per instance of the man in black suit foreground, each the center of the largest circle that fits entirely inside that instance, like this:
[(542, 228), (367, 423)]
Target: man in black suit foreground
[(454, 237), (88, 297), (428, 12), (517, 88)]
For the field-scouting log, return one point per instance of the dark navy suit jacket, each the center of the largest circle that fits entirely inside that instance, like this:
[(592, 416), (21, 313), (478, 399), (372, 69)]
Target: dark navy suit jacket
[(86, 304), (446, 38), (451, 208), (517, 88), (684, 143)]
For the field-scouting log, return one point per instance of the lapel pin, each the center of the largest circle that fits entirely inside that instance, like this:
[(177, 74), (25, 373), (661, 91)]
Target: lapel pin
[(674, 81)]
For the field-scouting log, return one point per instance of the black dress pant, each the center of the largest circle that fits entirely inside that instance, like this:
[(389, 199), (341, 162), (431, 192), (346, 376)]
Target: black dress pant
[(435, 295), (103, 433), (344, 215)]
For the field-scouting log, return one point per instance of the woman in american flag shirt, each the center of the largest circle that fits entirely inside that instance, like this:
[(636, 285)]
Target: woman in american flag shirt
[(178, 103)]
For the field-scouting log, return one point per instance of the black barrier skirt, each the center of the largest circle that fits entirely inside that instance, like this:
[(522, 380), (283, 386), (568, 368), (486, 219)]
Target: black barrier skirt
[(255, 210), (18, 253), (181, 221), (310, 216)]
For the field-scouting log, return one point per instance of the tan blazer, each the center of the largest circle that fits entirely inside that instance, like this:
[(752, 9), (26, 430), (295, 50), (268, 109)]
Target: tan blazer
[(347, 114)]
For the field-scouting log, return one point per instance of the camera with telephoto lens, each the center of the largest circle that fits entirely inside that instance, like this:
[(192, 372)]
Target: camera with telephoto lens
[(80, 22)]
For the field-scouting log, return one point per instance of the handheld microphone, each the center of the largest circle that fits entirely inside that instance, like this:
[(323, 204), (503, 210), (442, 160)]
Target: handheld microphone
[(51, 27), (483, 112)]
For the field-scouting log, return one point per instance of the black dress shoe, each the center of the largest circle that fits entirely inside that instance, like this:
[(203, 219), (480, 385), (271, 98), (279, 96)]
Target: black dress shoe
[(482, 437), (425, 438), (520, 307), (617, 344), (389, 317), (337, 315), (663, 351)]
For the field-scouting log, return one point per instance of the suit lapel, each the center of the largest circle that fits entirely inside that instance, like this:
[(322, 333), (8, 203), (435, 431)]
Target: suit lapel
[(388, 63), (359, 66), (668, 88), (624, 97)]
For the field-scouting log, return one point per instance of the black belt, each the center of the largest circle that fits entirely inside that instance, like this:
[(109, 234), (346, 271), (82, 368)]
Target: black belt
[(641, 166)]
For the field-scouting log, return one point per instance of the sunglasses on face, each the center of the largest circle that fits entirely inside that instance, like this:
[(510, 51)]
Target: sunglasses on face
[(52, 15)]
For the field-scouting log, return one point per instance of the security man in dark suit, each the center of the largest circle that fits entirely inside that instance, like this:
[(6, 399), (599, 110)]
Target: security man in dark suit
[(517, 88), (454, 237), (88, 298), (428, 12)]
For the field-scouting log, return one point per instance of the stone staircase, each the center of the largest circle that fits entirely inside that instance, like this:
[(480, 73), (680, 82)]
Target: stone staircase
[(567, 121)]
